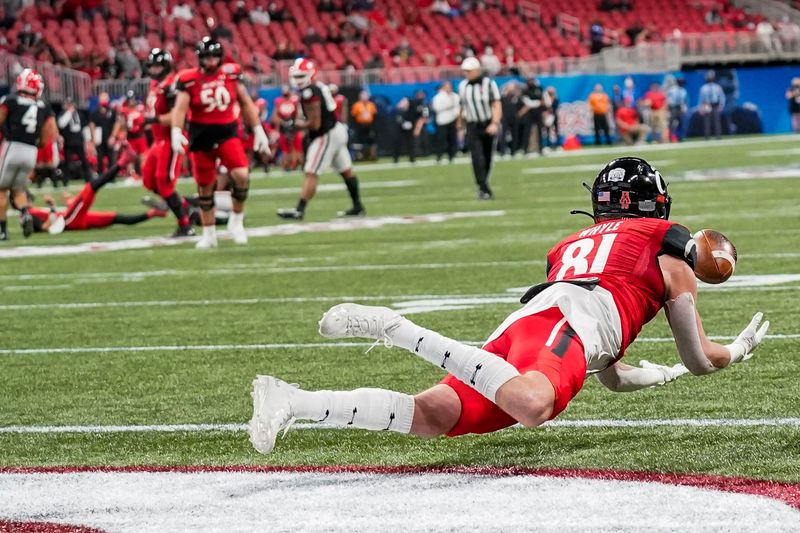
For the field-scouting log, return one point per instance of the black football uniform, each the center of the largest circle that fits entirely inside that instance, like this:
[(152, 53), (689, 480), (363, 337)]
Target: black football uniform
[(25, 117), (319, 92)]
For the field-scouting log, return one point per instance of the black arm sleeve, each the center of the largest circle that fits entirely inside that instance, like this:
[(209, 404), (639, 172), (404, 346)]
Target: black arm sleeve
[(678, 243)]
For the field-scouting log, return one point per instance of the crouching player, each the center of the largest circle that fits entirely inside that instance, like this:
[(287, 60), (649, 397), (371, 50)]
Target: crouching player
[(603, 284), (210, 94)]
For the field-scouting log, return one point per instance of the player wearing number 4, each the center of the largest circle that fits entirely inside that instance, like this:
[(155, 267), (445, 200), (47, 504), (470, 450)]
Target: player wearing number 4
[(603, 284), (207, 96)]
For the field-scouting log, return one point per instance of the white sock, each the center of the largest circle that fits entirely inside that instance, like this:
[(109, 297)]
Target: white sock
[(483, 371), (210, 232), (375, 409), (236, 219)]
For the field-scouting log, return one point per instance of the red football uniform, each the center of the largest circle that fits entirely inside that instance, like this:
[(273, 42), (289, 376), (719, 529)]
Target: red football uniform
[(213, 120), (623, 255), (77, 215), (161, 167), (290, 138), (340, 101), (134, 128)]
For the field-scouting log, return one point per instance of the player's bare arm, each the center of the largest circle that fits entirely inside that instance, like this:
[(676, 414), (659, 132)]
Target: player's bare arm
[(697, 351), (251, 120), (3, 114), (313, 120), (497, 115)]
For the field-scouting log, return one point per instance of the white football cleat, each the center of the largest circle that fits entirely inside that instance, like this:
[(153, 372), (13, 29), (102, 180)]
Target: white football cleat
[(272, 412), (236, 228), (206, 242), (353, 320)]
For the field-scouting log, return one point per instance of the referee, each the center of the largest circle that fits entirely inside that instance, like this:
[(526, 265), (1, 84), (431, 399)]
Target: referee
[(481, 107)]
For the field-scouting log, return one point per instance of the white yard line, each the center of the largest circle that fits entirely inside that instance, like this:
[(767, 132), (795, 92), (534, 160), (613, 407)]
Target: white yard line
[(337, 225), (591, 423), (286, 346), (589, 167)]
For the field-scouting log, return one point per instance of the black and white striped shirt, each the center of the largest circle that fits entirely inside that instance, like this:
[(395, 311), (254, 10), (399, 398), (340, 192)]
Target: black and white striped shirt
[(477, 98)]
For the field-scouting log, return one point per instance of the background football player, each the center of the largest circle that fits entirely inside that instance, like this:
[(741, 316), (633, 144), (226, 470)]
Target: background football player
[(603, 284), (208, 94), (28, 123), (162, 165), (327, 140)]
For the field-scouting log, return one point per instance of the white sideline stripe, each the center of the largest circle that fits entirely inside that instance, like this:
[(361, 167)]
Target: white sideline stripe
[(336, 225), (330, 187), (588, 167), (770, 153), (595, 423), (289, 346)]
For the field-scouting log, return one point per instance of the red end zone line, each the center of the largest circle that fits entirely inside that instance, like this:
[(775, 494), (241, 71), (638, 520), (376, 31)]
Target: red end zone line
[(783, 491)]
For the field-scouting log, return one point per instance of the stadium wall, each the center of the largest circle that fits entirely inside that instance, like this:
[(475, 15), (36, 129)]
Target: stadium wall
[(755, 97)]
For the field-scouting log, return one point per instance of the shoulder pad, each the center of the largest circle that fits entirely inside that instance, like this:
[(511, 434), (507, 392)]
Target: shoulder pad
[(678, 243), (307, 93), (231, 69)]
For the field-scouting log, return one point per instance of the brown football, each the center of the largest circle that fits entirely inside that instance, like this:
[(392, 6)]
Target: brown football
[(716, 256)]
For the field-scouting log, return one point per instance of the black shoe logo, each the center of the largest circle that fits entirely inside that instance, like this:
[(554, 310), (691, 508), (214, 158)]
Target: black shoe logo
[(416, 350), (472, 379), (391, 419), (446, 355), (327, 414), (355, 410)]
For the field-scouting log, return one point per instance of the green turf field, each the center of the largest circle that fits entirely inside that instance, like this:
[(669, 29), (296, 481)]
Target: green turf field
[(291, 280)]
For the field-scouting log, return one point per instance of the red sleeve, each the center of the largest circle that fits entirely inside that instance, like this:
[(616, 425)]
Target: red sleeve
[(185, 80), (232, 70)]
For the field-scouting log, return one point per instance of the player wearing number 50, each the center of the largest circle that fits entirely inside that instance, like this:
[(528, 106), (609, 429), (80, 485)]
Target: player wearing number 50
[(207, 96), (603, 284)]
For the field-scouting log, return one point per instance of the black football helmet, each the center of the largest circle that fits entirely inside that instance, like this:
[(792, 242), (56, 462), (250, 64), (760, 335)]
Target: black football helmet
[(209, 47), (629, 187), (159, 57)]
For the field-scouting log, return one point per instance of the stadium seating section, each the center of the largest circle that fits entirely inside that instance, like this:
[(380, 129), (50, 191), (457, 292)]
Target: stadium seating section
[(434, 38)]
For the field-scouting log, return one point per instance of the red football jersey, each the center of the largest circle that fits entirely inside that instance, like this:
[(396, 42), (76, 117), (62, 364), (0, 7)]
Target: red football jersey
[(134, 121), (286, 107), (213, 97), (623, 255), (160, 99), (340, 101)]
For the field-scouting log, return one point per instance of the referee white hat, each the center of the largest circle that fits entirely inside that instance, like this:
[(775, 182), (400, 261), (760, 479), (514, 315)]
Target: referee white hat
[(470, 63)]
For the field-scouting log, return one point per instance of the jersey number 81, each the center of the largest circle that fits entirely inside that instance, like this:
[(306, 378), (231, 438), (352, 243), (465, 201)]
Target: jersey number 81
[(577, 255)]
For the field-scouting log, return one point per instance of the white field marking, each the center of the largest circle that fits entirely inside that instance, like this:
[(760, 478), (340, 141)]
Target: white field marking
[(738, 173), (589, 423), (145, 502), (290, 346), (588, 167), (264, 231), (36, 287), (331, 187), (770, 153)]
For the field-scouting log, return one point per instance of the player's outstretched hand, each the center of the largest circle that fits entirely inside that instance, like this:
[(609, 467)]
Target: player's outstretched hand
[(748, 340), (178, 140), (260, 141), (671, 373)]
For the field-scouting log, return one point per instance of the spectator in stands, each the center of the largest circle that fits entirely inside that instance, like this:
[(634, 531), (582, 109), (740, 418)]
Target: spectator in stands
[(552, 132), (622, 6), (350, 33), (376, 61), (629, 90), (629, 125), (768, 37), (182, 11), (403, 50), (283, 52), (101, 124), (635, 31), (222, 32), (713, 17), (129, 63), (364, 113), (277, 12), (334, 35), (596, 37), (240, 12), (789, 34), (446, 106), (327, 6), (656, 101), (312, 37), (139, 44), (7, 18), (793, 99), (468, 49), (678, 103), (72, 126), (511, 101), (490, 62), (440, 7), (712, 102), (600, 105), (510, 60), (259, 16)]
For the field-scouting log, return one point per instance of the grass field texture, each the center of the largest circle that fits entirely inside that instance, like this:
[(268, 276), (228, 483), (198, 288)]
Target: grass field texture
[(273, 292)]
